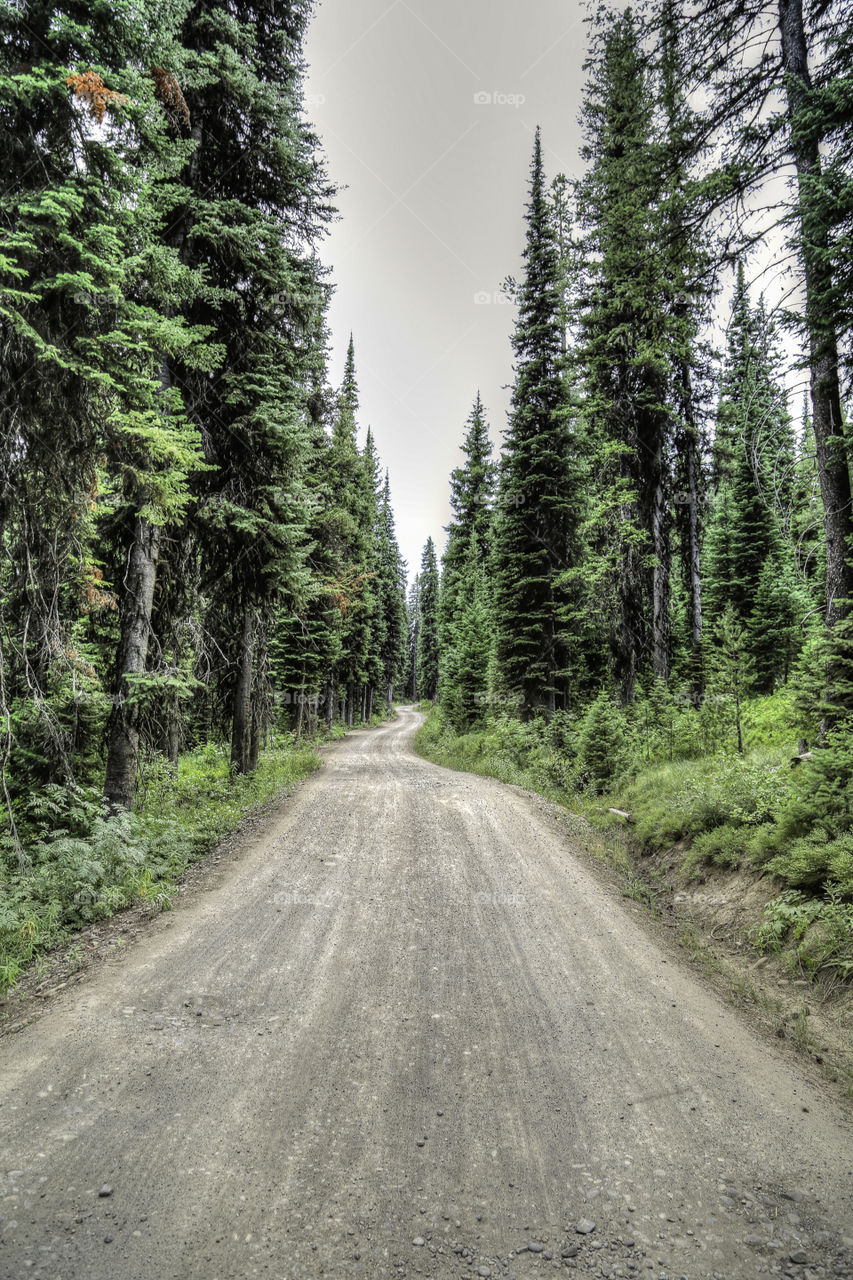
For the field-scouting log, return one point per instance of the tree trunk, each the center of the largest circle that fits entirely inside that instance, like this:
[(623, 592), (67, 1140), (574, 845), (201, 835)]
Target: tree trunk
[(389, 695), (688, 510), (330, 704), (173, 738), (823, 346), (123, 733), (241, 723), (660, 580), (694, 576), (255, 739)]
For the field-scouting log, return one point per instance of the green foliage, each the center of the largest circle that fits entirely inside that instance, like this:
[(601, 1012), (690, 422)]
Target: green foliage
[(536, 542), (819, 930), (426, 656), (817, 859), (88, 863), (602, 745), (724, 846)]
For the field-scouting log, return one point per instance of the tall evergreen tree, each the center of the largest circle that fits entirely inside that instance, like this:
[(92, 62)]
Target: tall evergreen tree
[(750, 565), (258, 203), (788, 108), (472, 493), (626, 332), (540, 501), (426, 652)]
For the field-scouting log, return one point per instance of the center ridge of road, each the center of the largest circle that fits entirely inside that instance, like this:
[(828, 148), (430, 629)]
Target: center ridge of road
[(410, 1032)]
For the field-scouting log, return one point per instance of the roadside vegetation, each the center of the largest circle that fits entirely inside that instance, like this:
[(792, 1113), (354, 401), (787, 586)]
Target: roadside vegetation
[(675, 771), (84, 863)]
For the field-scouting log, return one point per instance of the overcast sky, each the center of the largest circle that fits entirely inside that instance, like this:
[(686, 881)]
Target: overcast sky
[(426, 110)]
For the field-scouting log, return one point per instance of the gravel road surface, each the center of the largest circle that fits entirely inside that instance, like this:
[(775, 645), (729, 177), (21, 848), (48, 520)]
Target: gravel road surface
[(409, 1031)]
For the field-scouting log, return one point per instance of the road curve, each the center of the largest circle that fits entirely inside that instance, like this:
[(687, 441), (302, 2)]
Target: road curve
[(409, 1032)]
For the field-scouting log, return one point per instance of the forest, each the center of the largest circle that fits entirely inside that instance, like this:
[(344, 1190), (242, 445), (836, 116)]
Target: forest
[(645, 592), (199, 560)]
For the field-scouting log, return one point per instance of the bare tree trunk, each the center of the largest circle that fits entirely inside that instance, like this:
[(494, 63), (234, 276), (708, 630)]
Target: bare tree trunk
[(660, 580), (255, 739), (694, 577), (241, 722), (389, 695), (138, 602), (828, 427), (173, 739)]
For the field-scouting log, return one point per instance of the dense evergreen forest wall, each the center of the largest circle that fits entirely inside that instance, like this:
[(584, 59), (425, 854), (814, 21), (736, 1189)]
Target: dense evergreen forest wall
[(195, 546)]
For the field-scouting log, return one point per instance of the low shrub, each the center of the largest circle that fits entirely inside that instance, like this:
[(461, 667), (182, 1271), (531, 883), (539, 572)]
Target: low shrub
[(85, 863), (725, 846), (819, 929)]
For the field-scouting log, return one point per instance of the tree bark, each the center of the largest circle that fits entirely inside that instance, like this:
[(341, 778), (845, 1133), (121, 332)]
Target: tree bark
[(241, 722), (833, 466), (330, 703), (137, 605), (255, 739)]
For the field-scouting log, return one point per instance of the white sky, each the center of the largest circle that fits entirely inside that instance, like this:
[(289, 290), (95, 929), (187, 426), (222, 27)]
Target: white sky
[(433, 211)]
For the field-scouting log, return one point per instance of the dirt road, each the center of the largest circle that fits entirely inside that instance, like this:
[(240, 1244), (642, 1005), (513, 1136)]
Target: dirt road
[(409, 1032)]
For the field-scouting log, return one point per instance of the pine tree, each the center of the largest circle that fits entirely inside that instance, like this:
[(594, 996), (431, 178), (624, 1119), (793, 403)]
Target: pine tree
[(87, 318), (391, 596), (465, 665), (426, 654), (687, 264), (536, 543), (626, 340), (471, 501), (731, 668), (801, 76), (413, 612), (750, 566), (257, 201)]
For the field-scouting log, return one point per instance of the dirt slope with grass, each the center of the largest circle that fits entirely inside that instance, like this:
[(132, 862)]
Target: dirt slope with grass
[(408, 1030)]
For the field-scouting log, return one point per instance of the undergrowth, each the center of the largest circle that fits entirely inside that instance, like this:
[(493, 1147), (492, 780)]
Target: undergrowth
[(86, 864), (725, 810)]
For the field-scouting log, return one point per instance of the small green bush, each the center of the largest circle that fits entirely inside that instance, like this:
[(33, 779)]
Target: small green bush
[(725, 846), (603, 744), (815, 860), (820, 930)]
